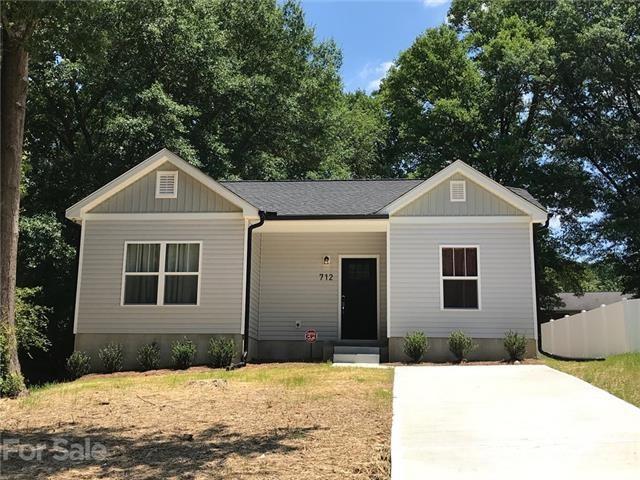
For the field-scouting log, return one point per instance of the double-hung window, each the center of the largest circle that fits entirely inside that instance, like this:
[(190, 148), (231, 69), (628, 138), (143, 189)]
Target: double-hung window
[(161, 273), (460, 279)]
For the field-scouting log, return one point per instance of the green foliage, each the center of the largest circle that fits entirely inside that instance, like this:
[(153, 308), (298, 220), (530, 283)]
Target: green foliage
[(112, 357), (239, 89), (11, 385), (415, 346), (460, 345), (431, 95), (31, 322), (149, 356), (78, 365), (30, 334), (183, 353), (601, 276), (46, 259), (515, 345), (566, 73), (221, 351), (535, 94)]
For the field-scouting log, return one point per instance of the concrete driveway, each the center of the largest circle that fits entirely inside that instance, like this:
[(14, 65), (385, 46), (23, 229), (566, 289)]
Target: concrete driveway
[(509, 421)]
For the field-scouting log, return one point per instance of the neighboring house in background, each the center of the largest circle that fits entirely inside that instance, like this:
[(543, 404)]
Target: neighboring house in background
[(168, 252), (573, 303)]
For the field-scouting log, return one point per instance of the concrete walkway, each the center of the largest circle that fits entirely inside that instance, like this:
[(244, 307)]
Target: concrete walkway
[(509, 422)]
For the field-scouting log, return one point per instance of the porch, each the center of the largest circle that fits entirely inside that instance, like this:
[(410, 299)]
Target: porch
[(328, 276)]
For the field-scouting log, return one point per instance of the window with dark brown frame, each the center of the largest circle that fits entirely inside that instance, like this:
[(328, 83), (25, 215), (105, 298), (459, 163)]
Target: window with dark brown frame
[(460, 278)]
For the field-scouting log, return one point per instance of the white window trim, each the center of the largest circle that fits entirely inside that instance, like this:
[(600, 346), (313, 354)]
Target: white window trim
[(174, 174), (453, 183), (161, 273), (477, 278)]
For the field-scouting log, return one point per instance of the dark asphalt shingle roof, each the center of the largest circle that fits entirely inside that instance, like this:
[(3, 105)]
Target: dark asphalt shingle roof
[(330, 197), (322, 197)]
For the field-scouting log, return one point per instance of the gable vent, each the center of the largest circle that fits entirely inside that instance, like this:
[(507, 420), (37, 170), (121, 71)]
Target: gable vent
[(166, 184), (458, 191)]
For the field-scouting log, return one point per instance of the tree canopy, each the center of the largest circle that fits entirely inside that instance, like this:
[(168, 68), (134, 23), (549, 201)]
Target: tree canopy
[(540, 95)]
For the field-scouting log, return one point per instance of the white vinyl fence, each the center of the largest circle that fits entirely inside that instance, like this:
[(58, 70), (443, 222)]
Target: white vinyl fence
[(604, 331)]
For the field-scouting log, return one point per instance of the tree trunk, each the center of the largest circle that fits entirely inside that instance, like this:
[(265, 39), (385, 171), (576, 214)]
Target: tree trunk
[(15, 61)]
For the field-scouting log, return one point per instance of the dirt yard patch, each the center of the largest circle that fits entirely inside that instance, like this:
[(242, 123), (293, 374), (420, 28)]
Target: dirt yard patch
[(265, 421)]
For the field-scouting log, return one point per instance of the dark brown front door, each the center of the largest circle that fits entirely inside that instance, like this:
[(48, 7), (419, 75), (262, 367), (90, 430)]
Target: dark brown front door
[(359, 302)]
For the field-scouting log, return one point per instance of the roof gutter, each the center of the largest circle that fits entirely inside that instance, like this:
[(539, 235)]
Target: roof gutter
[(247, 297), (538, 310), (375, 216)]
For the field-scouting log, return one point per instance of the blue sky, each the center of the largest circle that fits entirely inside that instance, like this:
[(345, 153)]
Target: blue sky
[(371, 33)]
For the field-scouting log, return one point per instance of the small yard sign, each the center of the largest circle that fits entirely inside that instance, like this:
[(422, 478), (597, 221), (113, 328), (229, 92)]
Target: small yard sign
[(311, 336)]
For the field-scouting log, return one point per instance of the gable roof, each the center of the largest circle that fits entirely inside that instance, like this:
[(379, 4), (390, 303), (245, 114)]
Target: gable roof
[(519, 198), (332, 197), (76, 211), (314, 198), (322, 197)]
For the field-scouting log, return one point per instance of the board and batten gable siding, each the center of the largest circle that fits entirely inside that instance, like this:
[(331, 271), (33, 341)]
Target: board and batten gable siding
[(506, 290), (140, 197), (220, 309), (291, 289), (479, 202)]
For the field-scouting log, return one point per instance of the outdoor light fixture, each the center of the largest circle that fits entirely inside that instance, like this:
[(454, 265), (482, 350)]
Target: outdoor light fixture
[(326, 260)]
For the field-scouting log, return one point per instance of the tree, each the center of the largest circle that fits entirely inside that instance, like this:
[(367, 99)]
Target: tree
[(18, 23), (432, 97), (358, 137), (47, 269), (597, 122), (502, 88), (238, 89)]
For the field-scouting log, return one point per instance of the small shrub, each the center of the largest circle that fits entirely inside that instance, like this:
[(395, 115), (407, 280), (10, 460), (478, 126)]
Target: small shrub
[(183, 353), (460, 345), (221, 352), (149, 356), (515, 345), (415, 346), (12, 385), (112, 357), (78, 364)]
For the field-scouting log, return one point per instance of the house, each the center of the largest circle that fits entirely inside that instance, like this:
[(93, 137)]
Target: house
[(572, 303), (168, 252)]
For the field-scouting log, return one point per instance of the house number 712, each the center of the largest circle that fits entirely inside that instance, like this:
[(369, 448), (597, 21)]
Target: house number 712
[(326, 276)]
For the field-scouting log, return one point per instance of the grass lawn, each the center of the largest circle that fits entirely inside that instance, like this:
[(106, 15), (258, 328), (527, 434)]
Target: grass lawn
[(263, 421), (619, 374)]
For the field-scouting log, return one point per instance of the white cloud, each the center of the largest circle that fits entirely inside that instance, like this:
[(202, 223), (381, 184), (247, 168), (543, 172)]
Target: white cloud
[(373, 75), (434, 3)]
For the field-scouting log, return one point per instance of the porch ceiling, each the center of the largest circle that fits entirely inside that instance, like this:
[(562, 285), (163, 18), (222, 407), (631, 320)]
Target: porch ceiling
[(310, 226)]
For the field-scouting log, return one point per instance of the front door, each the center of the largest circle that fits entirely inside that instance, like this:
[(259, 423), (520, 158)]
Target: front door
[(359, 302)]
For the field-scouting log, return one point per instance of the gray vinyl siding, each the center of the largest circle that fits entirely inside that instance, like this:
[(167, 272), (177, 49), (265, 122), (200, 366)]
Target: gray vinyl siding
[(290, 287), (140, 197), (220, 309), (505, 279), (479, 202), (256, 254)]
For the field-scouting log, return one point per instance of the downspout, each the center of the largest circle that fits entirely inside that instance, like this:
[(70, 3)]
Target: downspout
[(538, 310), (247, 297)]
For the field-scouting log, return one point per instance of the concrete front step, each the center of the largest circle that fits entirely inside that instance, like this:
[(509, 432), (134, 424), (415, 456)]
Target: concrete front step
[(355, 349), (356, 358)]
